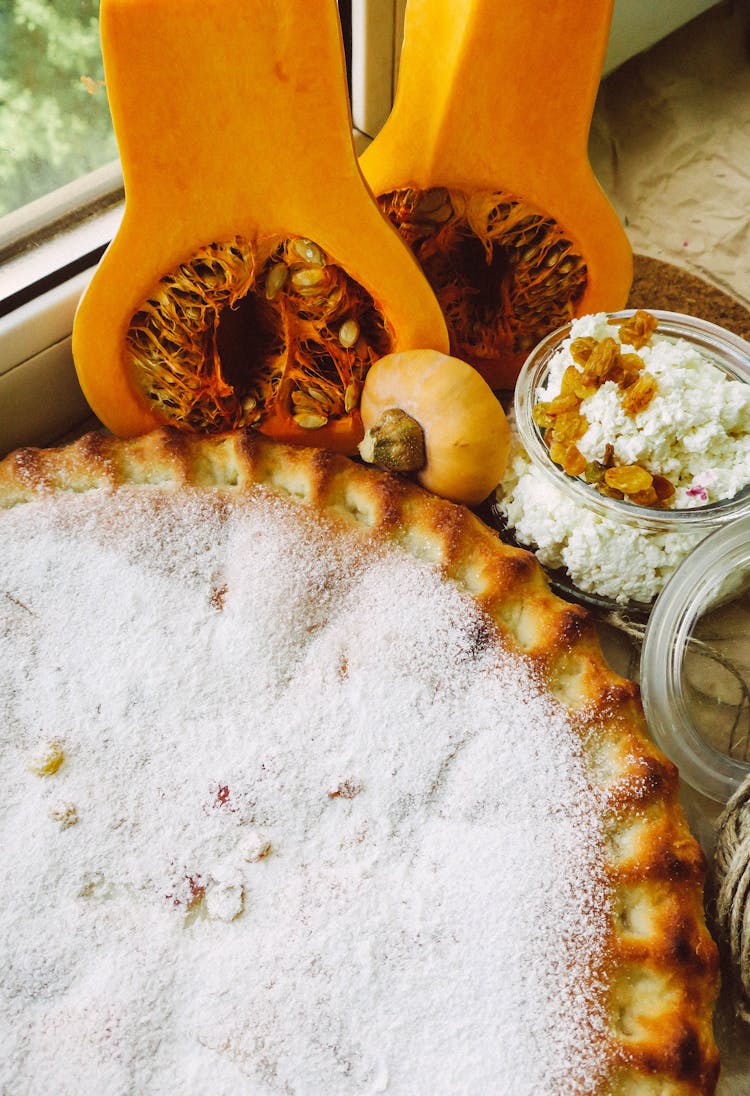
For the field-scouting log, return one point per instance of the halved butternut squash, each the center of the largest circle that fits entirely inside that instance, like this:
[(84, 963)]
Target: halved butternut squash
[(483, 167), (254, 279)]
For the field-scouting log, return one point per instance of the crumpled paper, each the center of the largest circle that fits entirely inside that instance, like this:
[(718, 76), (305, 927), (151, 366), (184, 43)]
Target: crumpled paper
[(670, 144)]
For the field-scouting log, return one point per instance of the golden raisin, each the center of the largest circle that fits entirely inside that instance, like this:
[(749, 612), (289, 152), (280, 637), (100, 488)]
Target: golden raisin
[(664, 488), (570, 381), (585, 386), (637, 330), (540, 413), (575, 462), (615, 372), (557, 452), (639, 395), (594, 472), (628, 379), (545, 413), (628, 478), (566, 401), (581, 349), (569, 426), (644, 498), (609, 492), (632, 362), (603, 360)]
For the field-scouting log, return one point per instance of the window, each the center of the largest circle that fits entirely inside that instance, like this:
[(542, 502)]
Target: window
[(59, 156), (54, 121)]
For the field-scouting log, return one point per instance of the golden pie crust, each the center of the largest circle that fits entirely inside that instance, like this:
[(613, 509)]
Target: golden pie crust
[(661, 964)]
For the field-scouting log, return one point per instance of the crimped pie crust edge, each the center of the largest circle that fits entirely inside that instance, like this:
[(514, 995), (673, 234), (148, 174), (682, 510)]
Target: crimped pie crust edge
[(662, 967)]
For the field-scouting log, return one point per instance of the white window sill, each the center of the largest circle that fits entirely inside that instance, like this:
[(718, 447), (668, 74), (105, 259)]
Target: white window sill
[(48, 250), (40, 398)]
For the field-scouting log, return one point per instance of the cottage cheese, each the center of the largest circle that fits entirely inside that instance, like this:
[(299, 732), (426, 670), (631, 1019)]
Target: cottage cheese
[(695, 431)]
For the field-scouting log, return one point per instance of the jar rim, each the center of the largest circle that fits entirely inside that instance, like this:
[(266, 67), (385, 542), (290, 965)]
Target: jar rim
[(709, 338), (688, 593)]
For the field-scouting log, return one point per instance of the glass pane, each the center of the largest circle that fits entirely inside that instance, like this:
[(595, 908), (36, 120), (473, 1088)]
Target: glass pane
[(54, 117)]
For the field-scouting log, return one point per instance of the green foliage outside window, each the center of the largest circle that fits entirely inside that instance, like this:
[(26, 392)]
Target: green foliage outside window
[(54, 118)]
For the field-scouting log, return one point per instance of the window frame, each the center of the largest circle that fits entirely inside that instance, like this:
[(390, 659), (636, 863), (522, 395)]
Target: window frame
[(42, 242)]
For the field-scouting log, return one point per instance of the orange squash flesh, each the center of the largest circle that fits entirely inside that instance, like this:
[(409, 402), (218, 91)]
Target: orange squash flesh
[(483, 166), (249, 239)]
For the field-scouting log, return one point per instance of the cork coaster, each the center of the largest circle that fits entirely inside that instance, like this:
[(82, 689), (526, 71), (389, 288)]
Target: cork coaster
[(657, 284)]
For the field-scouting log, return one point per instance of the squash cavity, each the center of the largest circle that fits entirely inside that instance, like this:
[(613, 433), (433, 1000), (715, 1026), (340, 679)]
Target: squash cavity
[(505, 273), (273, 334)]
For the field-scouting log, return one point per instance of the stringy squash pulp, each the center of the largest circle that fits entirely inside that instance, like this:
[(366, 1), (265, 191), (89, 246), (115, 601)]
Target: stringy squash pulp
[(504, 273), (243, 336)]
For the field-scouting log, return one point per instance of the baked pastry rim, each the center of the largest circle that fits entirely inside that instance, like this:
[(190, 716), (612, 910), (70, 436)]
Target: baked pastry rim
[(663, 981)]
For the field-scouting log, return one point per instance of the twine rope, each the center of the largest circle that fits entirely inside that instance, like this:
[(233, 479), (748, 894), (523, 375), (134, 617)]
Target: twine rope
[(732, 891), (632, 628)]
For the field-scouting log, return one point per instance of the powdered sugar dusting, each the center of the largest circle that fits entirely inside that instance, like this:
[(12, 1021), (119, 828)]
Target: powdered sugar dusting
[(310, 831)]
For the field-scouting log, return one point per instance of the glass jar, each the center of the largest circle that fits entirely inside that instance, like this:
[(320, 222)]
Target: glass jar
[(695, 664), (646, 533)]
